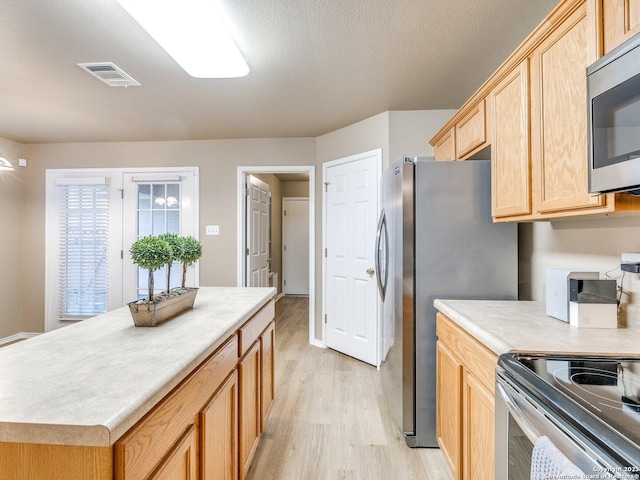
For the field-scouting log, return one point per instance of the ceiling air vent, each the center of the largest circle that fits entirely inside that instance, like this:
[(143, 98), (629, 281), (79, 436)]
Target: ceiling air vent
[(110, 74)]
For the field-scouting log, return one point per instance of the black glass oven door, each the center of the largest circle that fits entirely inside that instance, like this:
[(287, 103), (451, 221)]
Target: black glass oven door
[(616, 124)]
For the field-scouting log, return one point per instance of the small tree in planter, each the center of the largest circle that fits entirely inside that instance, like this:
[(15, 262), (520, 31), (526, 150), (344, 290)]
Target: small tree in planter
[(190, 252), (151, 253), (175, 242)]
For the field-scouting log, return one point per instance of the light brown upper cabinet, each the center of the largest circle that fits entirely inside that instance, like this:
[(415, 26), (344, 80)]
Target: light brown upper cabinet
[(510, 151), (621, 20), (536, 116), (471, 131), (559, 117), (466, 136), (444, 149)]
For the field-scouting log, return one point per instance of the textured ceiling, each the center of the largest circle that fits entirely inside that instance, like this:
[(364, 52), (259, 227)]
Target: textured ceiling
[(316, 65)]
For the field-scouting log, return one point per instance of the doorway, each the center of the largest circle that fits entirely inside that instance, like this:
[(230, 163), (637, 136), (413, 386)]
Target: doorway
[(295, 241), (286, 173), (350, 216), (93, 216)]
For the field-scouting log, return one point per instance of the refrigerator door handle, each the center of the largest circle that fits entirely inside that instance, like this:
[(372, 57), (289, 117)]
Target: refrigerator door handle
[(382, 245)]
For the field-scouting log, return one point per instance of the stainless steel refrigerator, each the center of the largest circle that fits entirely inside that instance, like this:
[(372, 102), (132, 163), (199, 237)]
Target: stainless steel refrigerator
[(436, 239)]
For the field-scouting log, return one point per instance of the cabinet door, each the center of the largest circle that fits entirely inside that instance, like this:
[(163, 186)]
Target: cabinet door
[(182, 462), (449, 408), (267, 373), (510, 153), (621, 20), (219, 439), (146, 444), (249, 407), (559, 117), (471, 131), (479, 430), (445, 148)]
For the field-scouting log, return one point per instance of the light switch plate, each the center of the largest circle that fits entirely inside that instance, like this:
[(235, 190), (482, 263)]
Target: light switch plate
[(212, 230)]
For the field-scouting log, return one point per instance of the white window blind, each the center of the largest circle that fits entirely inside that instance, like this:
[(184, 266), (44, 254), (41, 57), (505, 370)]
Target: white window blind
[(83, 247)]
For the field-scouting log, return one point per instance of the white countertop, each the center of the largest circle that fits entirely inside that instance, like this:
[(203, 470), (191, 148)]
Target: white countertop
[(505, 326), (88, 383)]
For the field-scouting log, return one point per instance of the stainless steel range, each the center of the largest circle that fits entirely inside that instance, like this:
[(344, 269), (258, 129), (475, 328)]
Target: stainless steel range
[(585, 410)]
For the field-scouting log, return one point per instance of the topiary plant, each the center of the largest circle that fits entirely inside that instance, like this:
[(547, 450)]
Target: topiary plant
[(151, 253), (175, 242), (190, 252)]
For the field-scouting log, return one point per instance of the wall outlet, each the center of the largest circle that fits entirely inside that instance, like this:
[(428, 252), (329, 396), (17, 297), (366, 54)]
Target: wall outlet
[(212, 230)]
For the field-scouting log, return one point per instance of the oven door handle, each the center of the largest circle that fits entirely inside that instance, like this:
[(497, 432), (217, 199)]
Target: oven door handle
[(531, 433)]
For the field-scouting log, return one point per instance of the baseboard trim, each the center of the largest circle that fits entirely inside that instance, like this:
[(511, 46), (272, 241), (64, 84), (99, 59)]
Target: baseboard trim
[(17, 337), (318, 343)]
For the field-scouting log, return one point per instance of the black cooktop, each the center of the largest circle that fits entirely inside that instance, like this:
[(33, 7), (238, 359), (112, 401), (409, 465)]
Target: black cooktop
[(584, 388)]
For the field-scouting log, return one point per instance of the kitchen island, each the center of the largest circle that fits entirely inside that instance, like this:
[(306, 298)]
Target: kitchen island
[(104, 399)]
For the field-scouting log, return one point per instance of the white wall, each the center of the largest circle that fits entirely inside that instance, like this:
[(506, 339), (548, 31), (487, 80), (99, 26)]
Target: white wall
[(586, 244), (11, 247), (396, 132), (594, 244), (410, 131), (217, 160)]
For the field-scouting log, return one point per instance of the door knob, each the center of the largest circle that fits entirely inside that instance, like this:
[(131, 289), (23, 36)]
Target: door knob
[(371, 271)]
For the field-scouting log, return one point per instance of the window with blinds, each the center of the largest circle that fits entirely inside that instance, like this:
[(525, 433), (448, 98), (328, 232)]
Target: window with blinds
[(83, 247)]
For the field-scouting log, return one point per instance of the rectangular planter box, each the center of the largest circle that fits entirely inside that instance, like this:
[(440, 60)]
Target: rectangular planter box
[(151, 314)]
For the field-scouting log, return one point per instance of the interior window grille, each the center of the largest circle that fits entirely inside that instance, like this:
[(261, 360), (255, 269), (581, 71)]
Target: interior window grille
[(159, 211), (84, 247)]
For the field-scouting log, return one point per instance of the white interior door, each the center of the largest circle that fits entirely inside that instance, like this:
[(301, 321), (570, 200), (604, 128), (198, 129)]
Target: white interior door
[(257, 233), (351, 202), (295, 246)]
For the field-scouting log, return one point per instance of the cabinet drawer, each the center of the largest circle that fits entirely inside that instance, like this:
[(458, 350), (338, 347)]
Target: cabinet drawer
[(146, 444), (471, 131), (477, 358), (250, 331)]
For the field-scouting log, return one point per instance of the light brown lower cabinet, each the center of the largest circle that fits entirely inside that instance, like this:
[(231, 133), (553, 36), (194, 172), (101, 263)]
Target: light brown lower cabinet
[(267, 372), (219, 433), (256, 381), (449, 405), (465, 402), (206, 428), (249, 374), (151, 444), (182, 461)]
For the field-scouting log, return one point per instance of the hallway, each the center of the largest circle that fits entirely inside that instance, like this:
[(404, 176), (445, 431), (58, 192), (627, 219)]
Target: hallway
[(330, 419)]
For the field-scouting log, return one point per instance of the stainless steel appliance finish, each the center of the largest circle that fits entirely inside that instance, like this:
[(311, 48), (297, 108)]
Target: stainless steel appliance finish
[(441, 243), (613, 91), (579, 403)]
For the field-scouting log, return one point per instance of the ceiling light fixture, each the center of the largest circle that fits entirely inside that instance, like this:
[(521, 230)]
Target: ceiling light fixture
[(5, 164), (193, 33)]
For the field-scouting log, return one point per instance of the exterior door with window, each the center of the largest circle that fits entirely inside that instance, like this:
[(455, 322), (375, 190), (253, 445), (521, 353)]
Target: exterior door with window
[(92, 218)]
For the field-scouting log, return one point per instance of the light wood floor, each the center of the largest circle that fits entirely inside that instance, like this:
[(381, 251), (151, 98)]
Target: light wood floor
[(330, 419)]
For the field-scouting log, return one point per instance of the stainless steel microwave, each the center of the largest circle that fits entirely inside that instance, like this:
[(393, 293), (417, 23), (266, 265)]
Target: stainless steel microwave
[(613, 90)]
